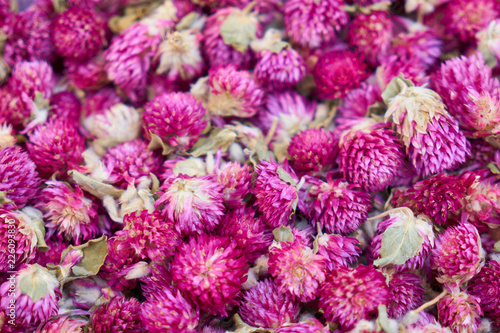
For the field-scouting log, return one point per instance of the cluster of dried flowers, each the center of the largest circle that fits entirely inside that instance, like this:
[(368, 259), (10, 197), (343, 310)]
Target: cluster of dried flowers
[(279, 166)]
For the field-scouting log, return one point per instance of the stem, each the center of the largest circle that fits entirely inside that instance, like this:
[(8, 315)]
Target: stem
[(249, 7), (272, 130), (432, 301)]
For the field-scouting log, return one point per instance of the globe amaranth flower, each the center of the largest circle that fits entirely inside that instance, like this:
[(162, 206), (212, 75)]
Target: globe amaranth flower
[(78, 33), (458, 255), (328, 16), (42, 301), (194, 204), (312, 150), (422, 225), (486, 286), (311, 325), (406, 293), (53, 254), (464, 19), (488, 43), (216, 50), (119, 315), (247, 231), (66, 105), (395, 65), (168, 311), (336, 205), (482, 203), (279, 70), (149, 235), (370, 155), (13, 109), (236, 179), (371, 35), (339, 251), (56, 146), (471, 93), (88, 74), (338, 72), (297, 270), (233, 93), (19, 180), (210, 271), (439, 197), (63, 323), (357, 101), (351, 294), (177, 118), (130, 161), (266, 306), (460, 312), (422, 46), (433, 141), (29, 77), (276, 192), (97, 102)]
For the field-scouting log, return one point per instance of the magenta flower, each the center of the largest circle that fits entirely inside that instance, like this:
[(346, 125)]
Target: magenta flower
[(486, 287), (394, 65), (357, 101), (423, 46), (236, 179), (339, 251), (29, 77), (406, 294), (86, 75), (65, 105), (460, 312), (312, 150), (119, 315)]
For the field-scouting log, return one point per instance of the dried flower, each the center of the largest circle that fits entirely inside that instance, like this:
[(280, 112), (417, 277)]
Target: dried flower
[(460, 311), (421, 46), (236, 179), (120, 258), (312, 150), (65, 105), (63, 323), (357, 101), (338, 251), (87, 75), (411, 68), (28, 77), (486, 287), (406, 294), (100, 101), (119, 315)]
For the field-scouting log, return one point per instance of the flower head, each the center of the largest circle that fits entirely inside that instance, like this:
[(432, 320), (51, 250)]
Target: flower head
[(64, 323), (28, 77), (486, 286), (406, 294), (236, 179), (66, 105), (89, 74), (395, 65), (119, 315), (357, 101), (421, 45), (339, 251), (312, 150), (460, 311)]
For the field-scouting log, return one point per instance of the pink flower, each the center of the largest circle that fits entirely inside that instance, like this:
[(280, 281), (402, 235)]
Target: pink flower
[(64, 323), (357, 101), (236, 179), (13, 109), (30, 77), (486, 287), (69, 213), (19, 180), (406, 294), (328, 16), (210, 271), (297, 269), (120, 258), (53, 255), (423, 46), (351, 294), (458, 255), (177, 118), (338, 72), (311, 325), (119, 315), (312, 150), (460, 312), (100, 101), (194, 204), (65, 105), (233, 92), (265, 306), (411, 68), (339, 251), (89, 74)]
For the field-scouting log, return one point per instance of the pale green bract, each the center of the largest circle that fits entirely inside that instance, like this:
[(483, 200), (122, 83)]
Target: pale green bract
[(239, 30)]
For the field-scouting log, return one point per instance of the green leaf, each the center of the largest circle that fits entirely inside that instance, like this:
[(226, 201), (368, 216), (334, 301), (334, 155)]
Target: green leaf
[(34, 286), (496, 248), (94, 187), (218, 138), (493, 168), (401, 242), (286, 177), (39, 227), (394, 87), (283, 234), (239, 30)]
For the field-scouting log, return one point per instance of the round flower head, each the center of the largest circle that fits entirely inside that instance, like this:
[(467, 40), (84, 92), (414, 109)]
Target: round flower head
[(210, 271), (276, 192), (471, 93), (22, 228), (119, 315), (35, 294), (433, 141), (311, 325), (357, 101), (338, 251), (247, 232), (130, 161), (194, 204), (78, 34), (423, 46), (119, 260), (19, 180), (233, 92), (351, 294), (53, 255), (312, 150), (265, 306), (100, 101), (406, 294), (297, 269), (29, 38), (65, 105), (486, 286), (488, 43), (56, 146), (160, 278), (177, 118), (179, 56), (149, 235), (89, 74), (236, 179), (395, 65), (14, 110), (403, 216), (458, 255), (216, 50), (371, 35), (482, 203), (29, 77), (71, 215), (328, 16), (168, 311), (338, 72), (460, 312), (279, 70), (436, 197), (464, 19), (370, 155), (335, 205), (64, 323)]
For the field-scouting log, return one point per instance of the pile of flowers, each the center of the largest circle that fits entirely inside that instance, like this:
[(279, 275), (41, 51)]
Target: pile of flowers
[(278, 166)]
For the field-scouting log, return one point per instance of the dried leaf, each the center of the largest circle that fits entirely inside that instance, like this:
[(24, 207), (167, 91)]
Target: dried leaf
[(394, 87), (187, 21), (39, 227), (33, 286), (400, 243), (493, 168), (218, 138), (156, 143), (94, 187), (239, 30), (94, 254), (286, 177), (283, 234), (496, 248)]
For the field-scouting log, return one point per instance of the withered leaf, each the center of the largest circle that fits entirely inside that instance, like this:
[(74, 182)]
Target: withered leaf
[(239, 30), (218, 138), (94, 187), (33, 285), (394, 87), (283, 234), (286, 177)]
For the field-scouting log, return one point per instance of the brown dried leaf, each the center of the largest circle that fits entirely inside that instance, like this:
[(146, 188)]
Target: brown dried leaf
[(94, 187)]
